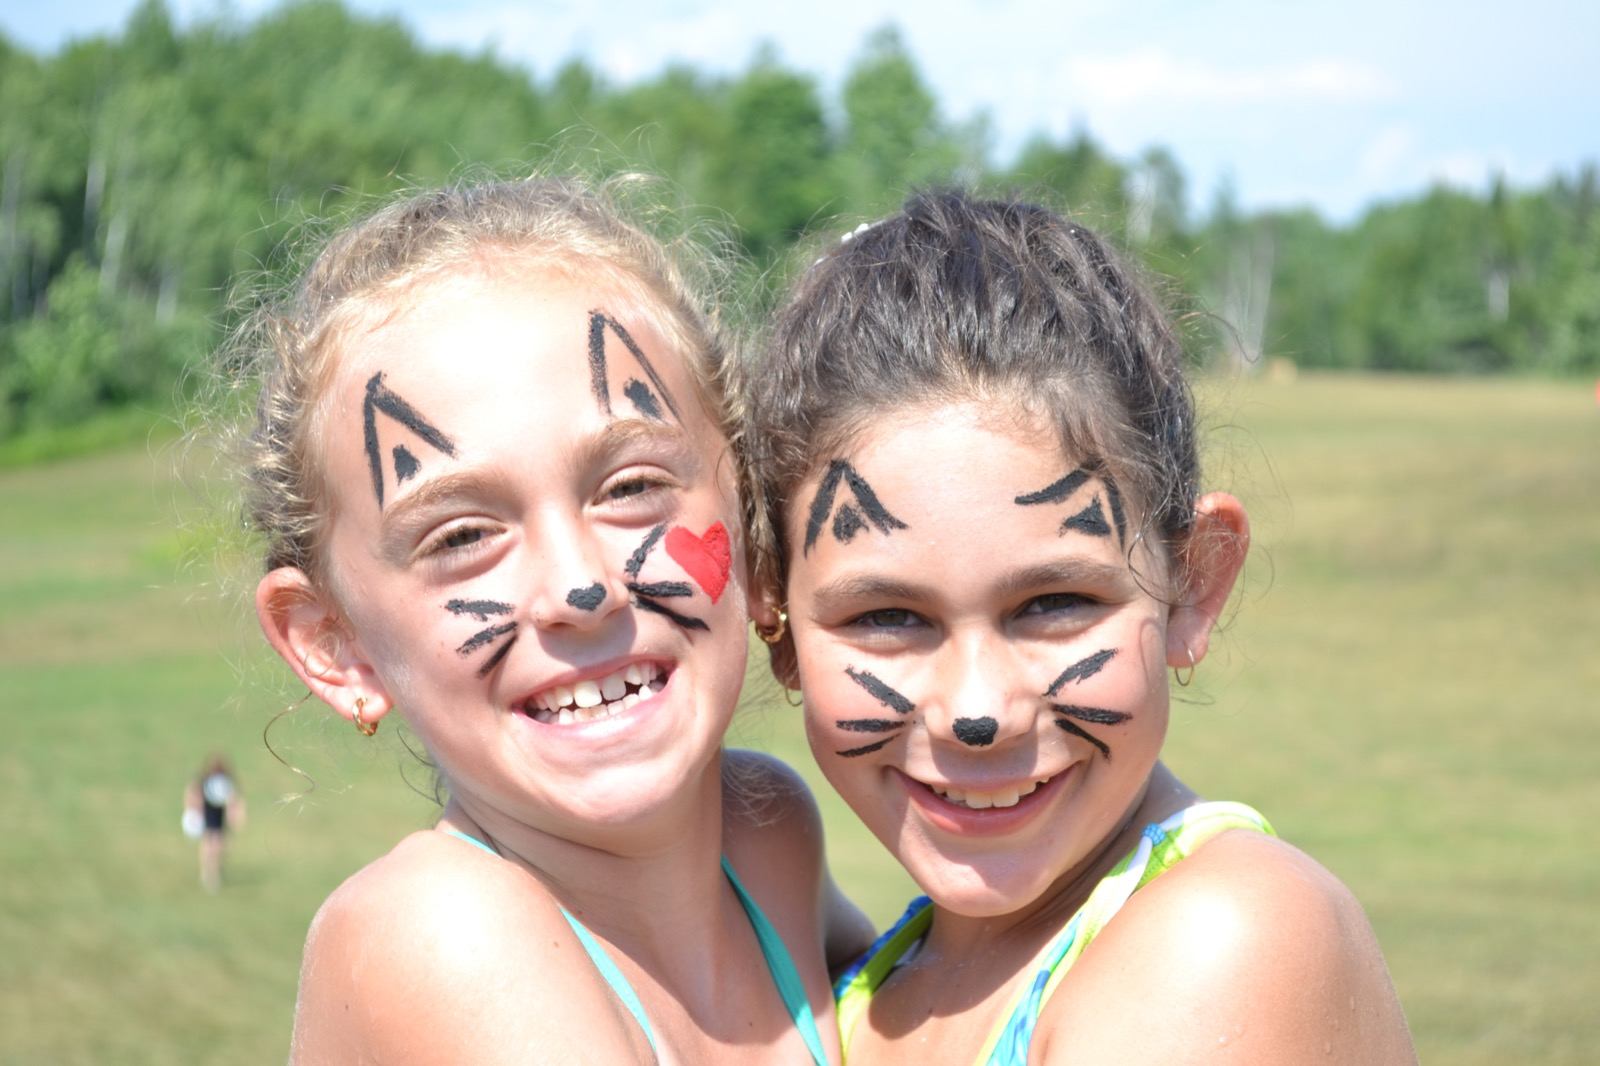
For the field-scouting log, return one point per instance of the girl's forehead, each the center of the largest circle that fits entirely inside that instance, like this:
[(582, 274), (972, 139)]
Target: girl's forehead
[(941, 467), (480, 365)]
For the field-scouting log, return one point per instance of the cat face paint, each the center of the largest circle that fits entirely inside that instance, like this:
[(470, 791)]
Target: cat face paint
[(382, 400), (641, 385), (985, 687), (491, 580), (1079, 672), (885, 695), (859, 509), (489, 636), (706, 557), (1090, 519)]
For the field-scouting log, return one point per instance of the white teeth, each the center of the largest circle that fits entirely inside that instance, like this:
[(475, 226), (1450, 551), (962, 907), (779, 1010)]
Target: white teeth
[(980, 801), (595, 698)]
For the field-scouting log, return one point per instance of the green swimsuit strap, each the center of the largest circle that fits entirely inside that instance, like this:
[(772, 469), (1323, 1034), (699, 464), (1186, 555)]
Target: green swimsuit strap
[(782, 967), (596, 951)]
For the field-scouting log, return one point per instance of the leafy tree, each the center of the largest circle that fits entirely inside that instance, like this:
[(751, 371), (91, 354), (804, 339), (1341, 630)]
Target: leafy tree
[(894, 139)]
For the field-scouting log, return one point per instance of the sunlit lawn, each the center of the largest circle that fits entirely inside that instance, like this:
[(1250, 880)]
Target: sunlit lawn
[(1407, 689)]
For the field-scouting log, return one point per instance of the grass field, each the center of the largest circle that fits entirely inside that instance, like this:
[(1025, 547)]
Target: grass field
[(1408, 689)]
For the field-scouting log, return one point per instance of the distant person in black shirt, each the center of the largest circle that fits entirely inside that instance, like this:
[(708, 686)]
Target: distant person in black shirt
[(212, 804)]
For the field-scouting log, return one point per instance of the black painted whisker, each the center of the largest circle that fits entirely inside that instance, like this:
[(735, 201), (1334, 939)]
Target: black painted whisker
[(880, 691), (494, 660), (683, 620), (479, 609), (636, 561), (1082, 669), (853, 752), (868, 725), (1092, 715), (485, 636), (661, 589), (1077, 731)]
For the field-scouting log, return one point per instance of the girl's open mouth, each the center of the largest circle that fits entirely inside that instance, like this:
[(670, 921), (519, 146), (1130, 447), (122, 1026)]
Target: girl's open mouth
[(592, 699)]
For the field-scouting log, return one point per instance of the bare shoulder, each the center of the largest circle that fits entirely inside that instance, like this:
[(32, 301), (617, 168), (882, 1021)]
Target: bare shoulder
[(774, 838), (770, 812), (1248, 950), (437, 952)]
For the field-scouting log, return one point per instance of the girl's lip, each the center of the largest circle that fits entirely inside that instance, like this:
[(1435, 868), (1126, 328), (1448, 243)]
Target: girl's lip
[(991, 821)]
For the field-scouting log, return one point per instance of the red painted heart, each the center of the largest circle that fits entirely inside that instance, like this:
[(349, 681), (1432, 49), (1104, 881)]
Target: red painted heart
[(706, 558)]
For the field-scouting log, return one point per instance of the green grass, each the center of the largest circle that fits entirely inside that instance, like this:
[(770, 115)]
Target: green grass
[(1406, 689)]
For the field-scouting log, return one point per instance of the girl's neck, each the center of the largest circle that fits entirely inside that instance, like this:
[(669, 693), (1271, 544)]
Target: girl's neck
[(954, 935), (644, 887)]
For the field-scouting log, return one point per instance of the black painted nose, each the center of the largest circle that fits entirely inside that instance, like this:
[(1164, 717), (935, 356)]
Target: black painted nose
[(977, 732)]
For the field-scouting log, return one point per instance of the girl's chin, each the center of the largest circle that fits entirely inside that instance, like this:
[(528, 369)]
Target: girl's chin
[(978, 888)]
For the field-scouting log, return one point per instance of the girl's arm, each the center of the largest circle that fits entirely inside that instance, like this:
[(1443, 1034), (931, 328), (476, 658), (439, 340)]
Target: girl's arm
[(422, 961), (1248, 951)]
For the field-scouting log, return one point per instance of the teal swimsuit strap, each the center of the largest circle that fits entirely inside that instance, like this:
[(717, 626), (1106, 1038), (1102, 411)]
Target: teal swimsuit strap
[(779, 964), (614, 977), (782, 967), (597, 954)]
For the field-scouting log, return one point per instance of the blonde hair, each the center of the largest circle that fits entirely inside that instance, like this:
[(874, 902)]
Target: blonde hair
[(287, 347)]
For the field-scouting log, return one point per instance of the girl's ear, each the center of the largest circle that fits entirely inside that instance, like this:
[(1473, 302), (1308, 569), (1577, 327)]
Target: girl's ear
[(772, 626), (1210, 562), (308, 632)]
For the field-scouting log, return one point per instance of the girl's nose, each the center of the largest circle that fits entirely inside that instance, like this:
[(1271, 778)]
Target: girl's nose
[(983, 697), (574, 584)]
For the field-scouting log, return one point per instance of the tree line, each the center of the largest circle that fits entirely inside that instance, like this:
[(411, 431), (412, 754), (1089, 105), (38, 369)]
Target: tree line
[(141, 172)]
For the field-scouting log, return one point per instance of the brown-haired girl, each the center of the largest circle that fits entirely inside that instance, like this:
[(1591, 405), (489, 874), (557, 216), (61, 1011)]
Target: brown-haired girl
[(979, 487), (491, 469)]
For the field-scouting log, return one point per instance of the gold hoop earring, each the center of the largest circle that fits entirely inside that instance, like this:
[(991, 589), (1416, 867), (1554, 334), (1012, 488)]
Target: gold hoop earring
[(364, 727), (1183, 681), (774, 634)]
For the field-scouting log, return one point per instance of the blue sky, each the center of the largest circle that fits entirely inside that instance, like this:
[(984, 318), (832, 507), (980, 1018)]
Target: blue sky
[(1329, 105)]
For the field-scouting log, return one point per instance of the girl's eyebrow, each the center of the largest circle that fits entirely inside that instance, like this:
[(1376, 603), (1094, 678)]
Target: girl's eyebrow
[(623, 433), (395, 527), (1067, 571), (857, 587), (1071, 571)]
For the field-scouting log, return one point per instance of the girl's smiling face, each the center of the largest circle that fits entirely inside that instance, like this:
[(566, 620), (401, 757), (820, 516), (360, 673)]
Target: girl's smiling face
[(530, 545), (981, 648)]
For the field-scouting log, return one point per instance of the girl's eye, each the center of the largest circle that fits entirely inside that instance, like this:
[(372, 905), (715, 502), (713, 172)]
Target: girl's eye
[(632, 488), (460, 538), (887, 618), (1057, 602), (456, 539)]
